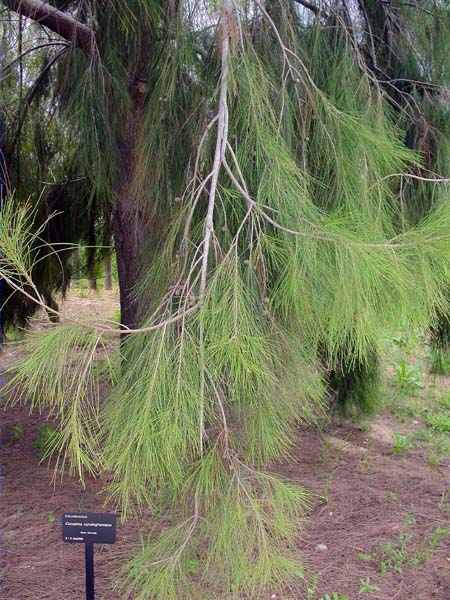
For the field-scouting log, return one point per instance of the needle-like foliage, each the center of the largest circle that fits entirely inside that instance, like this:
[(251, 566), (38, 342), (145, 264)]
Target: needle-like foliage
[(59, 376), (275, 170)]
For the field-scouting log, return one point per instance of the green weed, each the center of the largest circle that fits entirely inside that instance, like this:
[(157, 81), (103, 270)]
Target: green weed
[(439, 422), (402, 443), (366, 587), (438, 442), (10, 434), (312, 583), (409, 520), (440, 361), (394, 555), (427, 548), (408, 378), (445, 402), (364, 556), (16, 431), (444, 503), (14, 334)]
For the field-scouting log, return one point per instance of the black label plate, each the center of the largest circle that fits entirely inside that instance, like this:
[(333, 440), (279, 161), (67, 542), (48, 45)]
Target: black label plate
[(88, 527)]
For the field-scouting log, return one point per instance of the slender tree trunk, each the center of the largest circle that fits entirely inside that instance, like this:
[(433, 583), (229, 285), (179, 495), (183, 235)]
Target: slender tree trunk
[(3, 189), (107, 265), (125, 227), (93, 284), (129, 225)]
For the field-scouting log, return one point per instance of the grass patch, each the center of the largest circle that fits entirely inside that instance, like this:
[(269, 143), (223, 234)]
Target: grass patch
[(402, 443), (399, 554), (414, 395), (408, 378), (439, 422)]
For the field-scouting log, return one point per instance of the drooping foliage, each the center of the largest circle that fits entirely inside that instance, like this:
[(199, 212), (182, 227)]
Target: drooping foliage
[(416, 77), (39, 165), (281, 181)]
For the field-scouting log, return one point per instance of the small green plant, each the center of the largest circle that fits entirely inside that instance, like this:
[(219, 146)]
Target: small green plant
[(51, 518), (82, 288), (445, 402), (47, 439), (334, 596), (311, 588), (14, 334), (427, 548), (364, 556), (408, 377), (402, 443), (401, 341), (394, 555), (439, 422), (438, 535), (437, 441), (16, 431), (365, 587)]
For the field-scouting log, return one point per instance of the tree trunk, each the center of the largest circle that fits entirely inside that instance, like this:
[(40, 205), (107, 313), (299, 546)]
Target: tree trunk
[(107, 265), (93, 284), (3, 191), (126, 230), (129, 224)]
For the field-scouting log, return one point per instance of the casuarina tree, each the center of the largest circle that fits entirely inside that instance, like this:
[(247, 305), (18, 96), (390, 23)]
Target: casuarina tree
[(260, 179)]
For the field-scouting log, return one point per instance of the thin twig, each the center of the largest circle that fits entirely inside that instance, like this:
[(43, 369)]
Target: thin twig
[(219, 155)]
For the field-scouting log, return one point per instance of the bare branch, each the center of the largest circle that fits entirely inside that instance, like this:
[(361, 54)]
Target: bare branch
[(312, 7), (59, 22)]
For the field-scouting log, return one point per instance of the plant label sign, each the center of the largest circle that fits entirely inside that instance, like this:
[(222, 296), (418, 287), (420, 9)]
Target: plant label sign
[(89, 528)]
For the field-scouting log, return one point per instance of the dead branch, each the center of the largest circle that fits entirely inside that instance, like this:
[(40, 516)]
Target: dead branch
[(58, 21)]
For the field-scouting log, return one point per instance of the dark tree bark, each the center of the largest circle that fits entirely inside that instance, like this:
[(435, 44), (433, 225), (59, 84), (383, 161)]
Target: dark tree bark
[(131, 225)]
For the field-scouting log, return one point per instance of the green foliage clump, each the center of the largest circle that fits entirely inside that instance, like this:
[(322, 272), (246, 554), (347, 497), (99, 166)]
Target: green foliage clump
[(57, 375), (253, 512), (48, 440)]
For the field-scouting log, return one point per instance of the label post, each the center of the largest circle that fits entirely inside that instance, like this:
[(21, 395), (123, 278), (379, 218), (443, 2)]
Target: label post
[(89, 528), (89, 564)]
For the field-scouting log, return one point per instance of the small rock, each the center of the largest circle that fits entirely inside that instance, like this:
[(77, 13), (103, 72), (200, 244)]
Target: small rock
[(322, 547)]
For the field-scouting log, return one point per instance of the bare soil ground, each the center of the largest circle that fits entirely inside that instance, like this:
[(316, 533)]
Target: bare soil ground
[(378, 529)]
